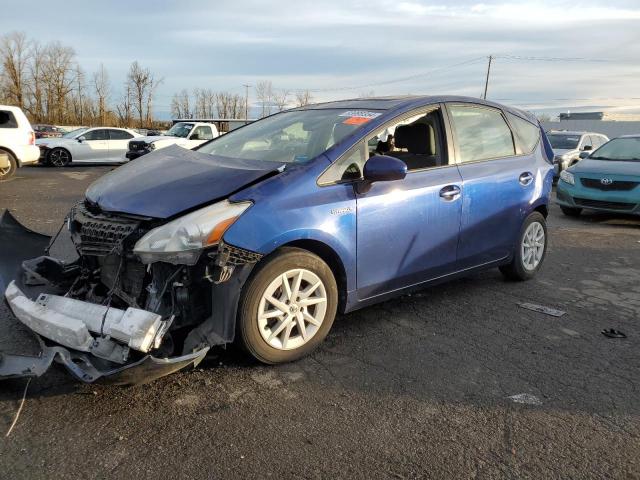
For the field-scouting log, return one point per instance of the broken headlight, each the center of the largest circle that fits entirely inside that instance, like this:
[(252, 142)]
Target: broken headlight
[(182, 240)]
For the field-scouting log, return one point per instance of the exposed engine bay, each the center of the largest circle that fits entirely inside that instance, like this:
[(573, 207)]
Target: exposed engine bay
[(111, 310)]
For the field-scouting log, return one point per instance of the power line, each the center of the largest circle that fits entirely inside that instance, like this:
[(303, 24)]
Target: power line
[(395, 80)]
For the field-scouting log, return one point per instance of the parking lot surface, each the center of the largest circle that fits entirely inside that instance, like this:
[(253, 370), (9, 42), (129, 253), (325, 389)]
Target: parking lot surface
[(455, 381)]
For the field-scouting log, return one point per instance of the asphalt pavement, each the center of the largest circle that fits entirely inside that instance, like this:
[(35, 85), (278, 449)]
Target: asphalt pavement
[(455, 381)]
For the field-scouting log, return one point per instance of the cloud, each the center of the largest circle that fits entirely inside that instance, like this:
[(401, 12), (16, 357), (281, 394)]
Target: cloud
[(332, 45)]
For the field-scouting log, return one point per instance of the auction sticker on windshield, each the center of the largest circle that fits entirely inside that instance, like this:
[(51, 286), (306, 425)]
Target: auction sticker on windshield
[(357, 117)]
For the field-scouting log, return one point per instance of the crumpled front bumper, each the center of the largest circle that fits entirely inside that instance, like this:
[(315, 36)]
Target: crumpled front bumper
[(67, 335)]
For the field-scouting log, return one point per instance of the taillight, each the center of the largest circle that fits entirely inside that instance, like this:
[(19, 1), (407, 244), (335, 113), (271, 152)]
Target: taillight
[(32, 138)]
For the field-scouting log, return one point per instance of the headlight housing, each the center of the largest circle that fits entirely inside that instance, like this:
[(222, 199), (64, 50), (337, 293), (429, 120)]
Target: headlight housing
[(151, 146), (567, 177), (182, 240)]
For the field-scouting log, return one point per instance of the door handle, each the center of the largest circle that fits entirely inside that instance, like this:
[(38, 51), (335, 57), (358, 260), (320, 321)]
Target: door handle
[(450, 192), (526, 178)]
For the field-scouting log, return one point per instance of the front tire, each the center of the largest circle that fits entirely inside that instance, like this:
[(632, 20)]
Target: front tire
[(7, 173), (287, 307), (530, 251), (59, 157), (571, 212)]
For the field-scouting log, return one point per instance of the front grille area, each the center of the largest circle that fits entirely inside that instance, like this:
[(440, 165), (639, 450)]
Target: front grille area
[(98, 234), (136, 145), (616, 185), (586, 202)]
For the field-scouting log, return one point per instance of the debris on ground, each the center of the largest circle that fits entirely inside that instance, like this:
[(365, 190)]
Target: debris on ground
[(526, 398), (15, 419), (611, 333), (542, 309)]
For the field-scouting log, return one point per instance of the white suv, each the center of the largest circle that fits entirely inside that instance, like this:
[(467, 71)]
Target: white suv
[(17, 141)]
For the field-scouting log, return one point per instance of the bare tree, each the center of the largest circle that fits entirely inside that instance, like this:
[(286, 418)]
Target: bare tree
[(281, 99), (59, 76), (142, 85), (303, 97), (36, 83), (124, 107), (102, 89), (14, 56), (264, 94)]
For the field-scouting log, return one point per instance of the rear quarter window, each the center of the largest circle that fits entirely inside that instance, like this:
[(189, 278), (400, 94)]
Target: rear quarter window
[(8, 119), (527, 134)]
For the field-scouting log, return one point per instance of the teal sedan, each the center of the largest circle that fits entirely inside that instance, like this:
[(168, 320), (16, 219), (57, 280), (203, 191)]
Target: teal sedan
[(607, 180)]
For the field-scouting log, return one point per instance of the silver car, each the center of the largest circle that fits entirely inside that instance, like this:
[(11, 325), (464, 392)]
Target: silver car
[(567, 146), (90, 145)]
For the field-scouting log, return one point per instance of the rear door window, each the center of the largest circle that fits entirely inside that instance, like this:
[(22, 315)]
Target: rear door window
[(527, 134), (119, 135), (8, 119), (481, 133)]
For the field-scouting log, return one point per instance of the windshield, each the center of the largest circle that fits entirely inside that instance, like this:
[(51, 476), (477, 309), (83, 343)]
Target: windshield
[(627, 149), (74, 133), (290, 137), (180, 129), (564, 142)]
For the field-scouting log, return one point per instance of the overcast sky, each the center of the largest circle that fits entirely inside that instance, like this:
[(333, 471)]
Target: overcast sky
[(342, 48)]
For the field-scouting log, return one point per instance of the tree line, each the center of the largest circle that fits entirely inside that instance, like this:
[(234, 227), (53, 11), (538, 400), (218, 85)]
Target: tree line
[(205, 103), (48, 83)]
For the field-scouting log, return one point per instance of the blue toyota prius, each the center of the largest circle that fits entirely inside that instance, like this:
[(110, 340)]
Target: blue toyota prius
[(262, 235)]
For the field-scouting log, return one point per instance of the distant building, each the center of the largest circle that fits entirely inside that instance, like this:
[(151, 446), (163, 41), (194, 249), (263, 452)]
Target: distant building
[(603, 116)]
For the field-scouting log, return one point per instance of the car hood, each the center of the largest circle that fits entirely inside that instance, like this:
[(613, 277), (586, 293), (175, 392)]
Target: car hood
[(607, 167), (167, 182)]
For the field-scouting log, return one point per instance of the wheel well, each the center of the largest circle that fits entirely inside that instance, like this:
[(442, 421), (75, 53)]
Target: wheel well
[(9, 151), (543, 209), (332, 259)]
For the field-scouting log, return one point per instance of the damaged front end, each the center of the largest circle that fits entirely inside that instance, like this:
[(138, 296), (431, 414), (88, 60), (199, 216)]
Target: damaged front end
[(112, 314)]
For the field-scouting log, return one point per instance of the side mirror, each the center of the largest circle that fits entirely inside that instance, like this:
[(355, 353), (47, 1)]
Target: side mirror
[(584, 155), (81, 138), (587, 148), (381, 168)]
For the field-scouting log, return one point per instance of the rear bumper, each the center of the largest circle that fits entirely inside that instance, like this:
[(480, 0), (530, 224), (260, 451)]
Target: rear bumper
[(27, 154)]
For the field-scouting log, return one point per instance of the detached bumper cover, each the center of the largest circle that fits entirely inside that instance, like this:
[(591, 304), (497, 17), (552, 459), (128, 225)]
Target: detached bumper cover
[(89, 370)]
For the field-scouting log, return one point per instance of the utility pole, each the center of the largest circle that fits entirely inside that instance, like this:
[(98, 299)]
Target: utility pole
[(486, 83), (246, 101)]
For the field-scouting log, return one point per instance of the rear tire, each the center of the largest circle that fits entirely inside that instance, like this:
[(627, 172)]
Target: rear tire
[(303, 312), (7, 173), (571, 212), (59, 157), (530, 251)]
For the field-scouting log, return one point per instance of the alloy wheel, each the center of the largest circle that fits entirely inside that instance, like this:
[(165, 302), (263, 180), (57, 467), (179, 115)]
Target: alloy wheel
[(292, 309), (59, 157), (533, 246)]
